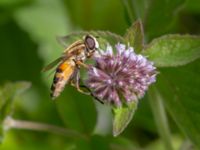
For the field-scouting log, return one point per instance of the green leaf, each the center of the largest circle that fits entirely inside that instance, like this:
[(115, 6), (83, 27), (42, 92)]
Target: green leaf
[(173, 50), (135, 36), (167, 12), (103, 37), (179, 88), (8, 93), (149, 12), (122, 117), (77, 110)]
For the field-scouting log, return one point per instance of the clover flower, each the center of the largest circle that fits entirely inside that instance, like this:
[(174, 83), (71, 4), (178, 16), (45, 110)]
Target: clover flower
[(120, 76)]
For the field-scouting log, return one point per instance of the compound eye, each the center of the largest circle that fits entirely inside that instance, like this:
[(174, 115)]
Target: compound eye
[(90, 42)]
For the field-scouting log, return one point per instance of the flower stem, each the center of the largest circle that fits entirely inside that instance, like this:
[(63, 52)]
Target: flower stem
[(29, 125), (160, 117), (128, 10)]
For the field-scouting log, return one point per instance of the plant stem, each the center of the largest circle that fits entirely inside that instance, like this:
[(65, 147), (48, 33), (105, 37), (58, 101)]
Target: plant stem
[(128, 10), (29, 125), (160, 117)]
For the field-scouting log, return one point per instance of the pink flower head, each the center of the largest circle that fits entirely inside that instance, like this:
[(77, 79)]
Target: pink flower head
[(120, 76)]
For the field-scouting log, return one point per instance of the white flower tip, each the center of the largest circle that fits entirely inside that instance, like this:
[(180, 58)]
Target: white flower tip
[(127, 53), (120, 47), (95, 72), (109, 50)]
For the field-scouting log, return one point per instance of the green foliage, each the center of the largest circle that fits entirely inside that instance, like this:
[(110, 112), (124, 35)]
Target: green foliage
[(164, 10), (173, 50), (122, 117), (160, 117), (28, 41), (96, 15), (73, 111), (159, 16), (8, 93), (180, 90), (135, 36)]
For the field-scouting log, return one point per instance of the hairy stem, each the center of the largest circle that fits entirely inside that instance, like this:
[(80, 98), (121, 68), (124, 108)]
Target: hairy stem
[(160, 117), (29, 125)]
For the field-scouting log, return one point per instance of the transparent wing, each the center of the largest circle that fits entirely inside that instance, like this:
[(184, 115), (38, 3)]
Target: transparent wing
[(103, 37), (52, 64), (73, 46), (70, 38)]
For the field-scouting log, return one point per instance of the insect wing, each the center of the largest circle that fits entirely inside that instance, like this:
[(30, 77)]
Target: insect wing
[(52, 64), (68, 39), (68, 52), (73, 47)]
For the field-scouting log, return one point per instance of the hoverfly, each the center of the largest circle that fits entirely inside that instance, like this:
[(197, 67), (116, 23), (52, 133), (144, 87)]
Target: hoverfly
[(69, 63)]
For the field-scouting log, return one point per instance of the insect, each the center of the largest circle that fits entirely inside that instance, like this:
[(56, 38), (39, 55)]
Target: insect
[(68, 65)]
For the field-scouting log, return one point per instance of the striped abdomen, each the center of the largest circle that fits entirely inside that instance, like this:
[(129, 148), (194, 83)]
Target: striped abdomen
[(63, 74)]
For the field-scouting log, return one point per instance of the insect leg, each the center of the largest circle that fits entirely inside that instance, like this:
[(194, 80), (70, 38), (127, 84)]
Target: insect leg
[(90, 93), (76, 83), (73, 79), (80, 63)]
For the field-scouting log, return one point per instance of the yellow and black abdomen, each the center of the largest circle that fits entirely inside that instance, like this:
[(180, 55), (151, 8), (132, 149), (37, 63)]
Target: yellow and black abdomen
[(64, 73)]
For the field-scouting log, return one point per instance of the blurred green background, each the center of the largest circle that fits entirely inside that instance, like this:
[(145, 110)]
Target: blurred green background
[(28, 31)]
